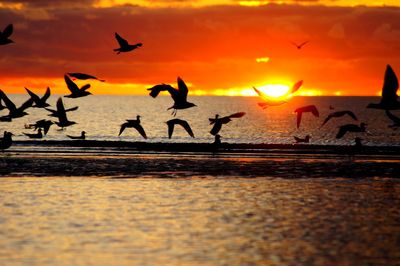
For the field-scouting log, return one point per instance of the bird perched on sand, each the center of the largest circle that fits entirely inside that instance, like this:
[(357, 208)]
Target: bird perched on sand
[(39, 102), (218, 122), (302, 140), (133, 123), (14, 112), (350, 128), (124, 45), (81, 137), (6, 141), (358, 142), (395, 120), (61, 114), (306, 109), (339, 114), (5, 35), (44, 124), (178, 95), (83, 76), (299, 46), (389, 92), (171, 124), (37, 135), (76, 92), (267, 101)]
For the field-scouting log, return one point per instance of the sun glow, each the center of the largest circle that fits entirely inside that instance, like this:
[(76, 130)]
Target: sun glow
[(275, 90)]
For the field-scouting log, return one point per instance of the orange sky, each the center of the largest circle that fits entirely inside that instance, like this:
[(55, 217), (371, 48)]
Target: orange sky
[(218, 47)]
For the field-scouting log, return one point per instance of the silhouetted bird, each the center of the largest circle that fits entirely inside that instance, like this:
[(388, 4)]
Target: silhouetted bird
[(171, 123), (76, 92), (350, 128), (81, 137), (218, 122), (217, 141), (395, 120), (267, 100), (299, 46), (300, 140), (60, 109), (124, 45), (39, 102), (339, 114), (14, 112), (83, 76), (44, 124), (6, 141), (2, 107), (305, 109), (37, 135), (389, 92), (133, 124), (296, 86), (357, 142), (178, 95), (61, 114), (5, 34)]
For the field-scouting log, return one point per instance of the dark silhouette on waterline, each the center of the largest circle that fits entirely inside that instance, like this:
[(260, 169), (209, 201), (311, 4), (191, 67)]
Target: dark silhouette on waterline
[(306, 139), (80, 137), (6, 141), (133, 123), (350, 128), (218, 122)]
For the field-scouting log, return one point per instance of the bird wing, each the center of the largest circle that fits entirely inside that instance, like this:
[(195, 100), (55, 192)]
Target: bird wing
[(186, 126), (72, 109), (327, 119), (46, 94), (171, 125), (26, 104), (140, 129), (71, 85), (182, 89), (351, 114), (34, 97), (342, 131), (390, 85), (85, 87), (295, 44), (121, 41), (10, 105), (267, 101), (155, 90), (296, 86), (236, 115), (262, 95), (7, 31), (216, 128), (299, 114), (392, 117), (212, 120), (123, 126), (61, 113), (314, 110), (303, 43)]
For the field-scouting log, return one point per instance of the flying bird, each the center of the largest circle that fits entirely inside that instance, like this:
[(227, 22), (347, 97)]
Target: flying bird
[(124, 45), (133, 123), (299, 46), (14, 112), (37, 135), (76, 92), (39, 102), (5, 34), (218, 122), (6, 141), (395, 120), (296, 86), (61, 114), (60, 109), (302, 140), (178, 95), (171, 124), (81, 137), (350, 128), (83, 76), (389, 92), (44, 124), (305, 109), (339, 114)]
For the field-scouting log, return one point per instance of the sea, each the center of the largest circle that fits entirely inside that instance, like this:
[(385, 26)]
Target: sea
[(101, 116)]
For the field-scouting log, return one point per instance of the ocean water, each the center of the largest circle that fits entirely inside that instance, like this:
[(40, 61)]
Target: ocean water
[(101, 116)]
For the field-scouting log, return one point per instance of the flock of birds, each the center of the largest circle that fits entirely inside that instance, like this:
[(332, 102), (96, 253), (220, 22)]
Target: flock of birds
[(179, 96)]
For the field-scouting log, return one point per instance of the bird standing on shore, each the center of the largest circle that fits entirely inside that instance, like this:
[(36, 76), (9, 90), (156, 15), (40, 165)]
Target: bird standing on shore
[(302, 140), (218, 122), (6, 141), (83, 76), (306, 109), (37, 135), (124, 45), (81, 137), (5, 35), (350, 128), (171, 123), (39, 102), (133, 123), (178, 95), (389, 92), (339, 114), (76, 92), (14, 112)]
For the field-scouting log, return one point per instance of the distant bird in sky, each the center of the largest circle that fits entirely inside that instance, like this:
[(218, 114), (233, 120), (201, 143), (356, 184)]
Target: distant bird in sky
[(124, 45), (133, 123), (37, 135), (299, 46), (306, 109), (171, 124), (81, 137), (44, 124), (178, 95), (296, 86), (395, 120), (6, 141), (389, 92), (14, 112), (339, 114), (61, 114), (39, 102), (82, 76), (350, 128), (218, 122), (5, 34), (76, 92), (302, 140)]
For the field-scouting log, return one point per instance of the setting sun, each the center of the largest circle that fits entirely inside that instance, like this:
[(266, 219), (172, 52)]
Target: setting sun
[(275, 90)]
